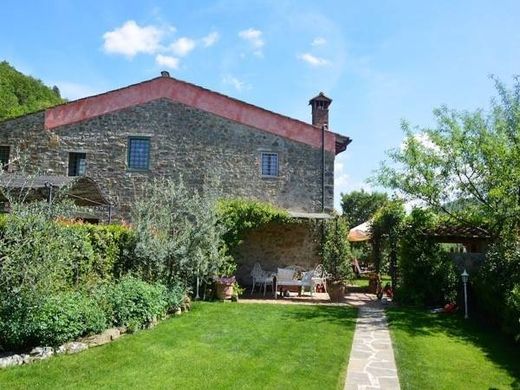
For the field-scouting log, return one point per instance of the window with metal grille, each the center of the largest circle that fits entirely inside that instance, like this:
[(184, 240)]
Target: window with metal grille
[(270, 164), (77, 164), (4, 156), (138, 153)]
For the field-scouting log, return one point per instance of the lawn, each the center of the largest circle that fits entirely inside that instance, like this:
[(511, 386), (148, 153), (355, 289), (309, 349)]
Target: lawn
[(363, 281), (435, 351), (215, 346)]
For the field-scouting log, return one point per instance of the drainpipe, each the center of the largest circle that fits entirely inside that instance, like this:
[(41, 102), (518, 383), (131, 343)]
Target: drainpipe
[(323, 128)]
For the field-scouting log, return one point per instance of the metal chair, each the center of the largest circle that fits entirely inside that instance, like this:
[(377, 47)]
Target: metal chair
[(320, 276), (260, 277), (308, 281)]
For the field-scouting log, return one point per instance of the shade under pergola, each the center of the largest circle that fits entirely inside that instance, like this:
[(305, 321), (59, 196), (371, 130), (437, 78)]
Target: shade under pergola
[(360, 232), (83, 191)]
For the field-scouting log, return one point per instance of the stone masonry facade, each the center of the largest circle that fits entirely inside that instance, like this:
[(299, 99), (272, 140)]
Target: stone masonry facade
[(279, 245), (206, 149)]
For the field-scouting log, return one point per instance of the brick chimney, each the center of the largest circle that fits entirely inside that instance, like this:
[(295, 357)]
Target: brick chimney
[(320, 110)]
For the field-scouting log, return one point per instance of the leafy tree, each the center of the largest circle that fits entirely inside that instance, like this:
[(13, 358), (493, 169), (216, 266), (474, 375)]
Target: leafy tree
[(20, 94), (177, 234), (360, 206), (427, 274), (470, 157), (386, 228), (336, 250)]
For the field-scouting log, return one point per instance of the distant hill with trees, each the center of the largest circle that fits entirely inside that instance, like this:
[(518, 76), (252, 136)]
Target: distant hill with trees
[(21, 94)]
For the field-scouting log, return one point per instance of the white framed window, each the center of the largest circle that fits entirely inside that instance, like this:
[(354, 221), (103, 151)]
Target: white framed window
[(269, 166)]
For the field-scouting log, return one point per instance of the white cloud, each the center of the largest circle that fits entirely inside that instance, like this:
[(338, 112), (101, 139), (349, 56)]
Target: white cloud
[(318, 41), (254, 38), (422, 139), (182, 46), (170, 62), (239, 85), (131, 39), (211, 39), (313, 60)]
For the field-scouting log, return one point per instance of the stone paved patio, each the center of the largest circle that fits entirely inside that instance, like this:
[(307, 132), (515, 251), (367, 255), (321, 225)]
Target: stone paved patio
[(372, 363)]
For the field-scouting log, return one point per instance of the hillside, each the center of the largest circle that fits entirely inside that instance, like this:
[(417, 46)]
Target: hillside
[(21, 94)]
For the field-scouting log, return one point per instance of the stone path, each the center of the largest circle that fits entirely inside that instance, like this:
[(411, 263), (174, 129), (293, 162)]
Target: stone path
[(372, 363)]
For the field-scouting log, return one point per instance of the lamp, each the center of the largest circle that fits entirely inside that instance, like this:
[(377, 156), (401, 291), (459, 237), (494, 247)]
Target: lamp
[(465, 277)]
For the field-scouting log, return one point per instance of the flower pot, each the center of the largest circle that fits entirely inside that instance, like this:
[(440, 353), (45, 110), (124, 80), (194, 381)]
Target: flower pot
[(224, 291), (336, 291)]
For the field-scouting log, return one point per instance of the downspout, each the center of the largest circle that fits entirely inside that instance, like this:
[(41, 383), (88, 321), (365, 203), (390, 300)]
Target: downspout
[(323, 128)]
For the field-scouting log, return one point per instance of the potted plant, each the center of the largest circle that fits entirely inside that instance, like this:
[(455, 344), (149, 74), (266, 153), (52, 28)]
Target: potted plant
[(225, 287), (225, 284), (336, 258)]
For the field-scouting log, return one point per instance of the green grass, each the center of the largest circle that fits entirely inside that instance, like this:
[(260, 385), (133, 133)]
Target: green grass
[(435, 351), (215, 346), (363, 281)]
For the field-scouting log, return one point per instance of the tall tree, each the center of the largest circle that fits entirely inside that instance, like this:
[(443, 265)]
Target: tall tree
[(470, 157), (360, 206), (386, 229), (21, 94)]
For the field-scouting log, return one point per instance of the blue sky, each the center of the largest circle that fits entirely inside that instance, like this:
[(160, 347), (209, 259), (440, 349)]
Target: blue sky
[(380, 61)]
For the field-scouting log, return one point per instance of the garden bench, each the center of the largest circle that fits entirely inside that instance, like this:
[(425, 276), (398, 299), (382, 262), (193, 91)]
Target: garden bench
[(285, 278)]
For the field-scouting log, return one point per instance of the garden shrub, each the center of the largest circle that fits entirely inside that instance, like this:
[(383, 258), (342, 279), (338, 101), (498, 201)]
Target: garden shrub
[(134, 303), (112, 248), (48, 269), (174, 296), (66, 316), (497, 286), (27, 319), (427, 274)]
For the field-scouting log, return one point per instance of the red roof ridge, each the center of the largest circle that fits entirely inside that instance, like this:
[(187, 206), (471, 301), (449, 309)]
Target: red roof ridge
[(206, 99)]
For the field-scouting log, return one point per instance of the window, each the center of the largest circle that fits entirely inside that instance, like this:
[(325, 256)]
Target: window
[(4, 156), (270, 164), (77, 164), (138, 153)]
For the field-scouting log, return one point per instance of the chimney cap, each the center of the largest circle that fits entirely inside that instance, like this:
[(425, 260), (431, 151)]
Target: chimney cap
[(320, 97), (165, 73)]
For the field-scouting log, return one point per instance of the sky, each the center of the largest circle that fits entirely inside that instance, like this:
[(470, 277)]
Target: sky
[(380, 61)]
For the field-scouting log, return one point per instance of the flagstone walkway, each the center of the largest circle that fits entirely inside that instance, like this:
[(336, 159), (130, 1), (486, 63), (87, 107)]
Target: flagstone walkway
[(372, 363)]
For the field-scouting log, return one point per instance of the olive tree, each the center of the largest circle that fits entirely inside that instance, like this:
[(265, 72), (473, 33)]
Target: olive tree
[(178, 237)]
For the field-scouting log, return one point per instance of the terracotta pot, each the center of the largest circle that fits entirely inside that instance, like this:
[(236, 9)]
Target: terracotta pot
[(336, 291), (224, 291)]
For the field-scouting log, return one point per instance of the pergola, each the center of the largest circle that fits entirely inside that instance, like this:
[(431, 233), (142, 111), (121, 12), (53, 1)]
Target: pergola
[(474, 239), (81, 190)]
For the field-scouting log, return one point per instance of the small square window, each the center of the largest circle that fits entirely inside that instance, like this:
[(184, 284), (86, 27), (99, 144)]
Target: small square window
[(77, 164), (138, 153), (4, 156), (270, 164)]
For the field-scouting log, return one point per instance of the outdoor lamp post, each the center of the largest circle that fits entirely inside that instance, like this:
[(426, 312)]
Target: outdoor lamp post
[(465, 277)]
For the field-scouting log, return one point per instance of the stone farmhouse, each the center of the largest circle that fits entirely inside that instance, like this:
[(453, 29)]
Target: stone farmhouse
[(166, 127)]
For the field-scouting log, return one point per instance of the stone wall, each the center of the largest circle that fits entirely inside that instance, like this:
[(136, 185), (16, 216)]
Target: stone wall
[(202, 147), (278, 245)]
